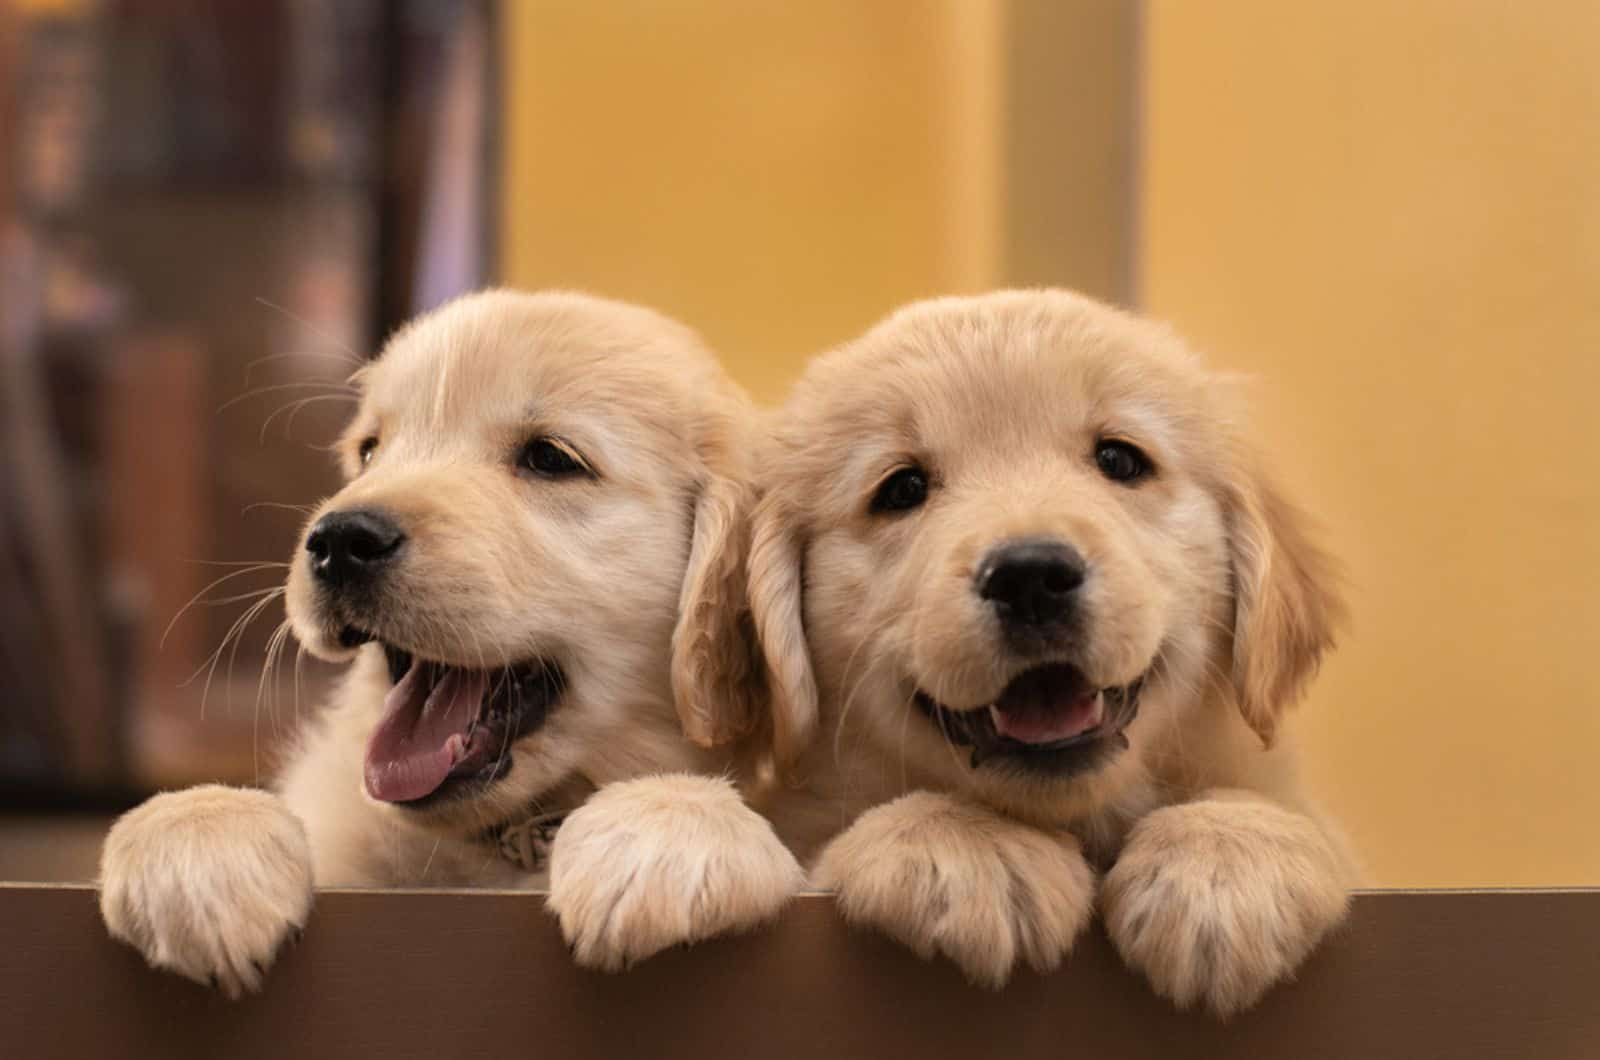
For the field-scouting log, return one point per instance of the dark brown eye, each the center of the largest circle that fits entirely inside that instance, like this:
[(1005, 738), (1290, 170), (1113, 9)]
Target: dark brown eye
[(368, 447), (551, 459), (1120, 461), (907, 488)]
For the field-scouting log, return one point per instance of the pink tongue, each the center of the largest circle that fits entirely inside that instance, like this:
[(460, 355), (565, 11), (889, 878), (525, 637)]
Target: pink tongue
[(1041, 718), (423, 733)]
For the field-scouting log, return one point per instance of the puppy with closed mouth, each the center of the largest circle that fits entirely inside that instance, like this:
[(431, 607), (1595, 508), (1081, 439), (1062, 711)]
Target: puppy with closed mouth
[(536, 572), (1033, 612)]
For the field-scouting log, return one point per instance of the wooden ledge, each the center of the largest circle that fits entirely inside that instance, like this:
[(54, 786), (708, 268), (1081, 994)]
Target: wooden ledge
[(437, 975)]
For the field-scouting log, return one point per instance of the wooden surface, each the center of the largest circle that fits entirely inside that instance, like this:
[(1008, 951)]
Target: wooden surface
[(1415, 975)]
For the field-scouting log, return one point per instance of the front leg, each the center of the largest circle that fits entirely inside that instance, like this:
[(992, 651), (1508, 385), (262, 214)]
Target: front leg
[(208, 883), (662, 861), (1216, 900), (945, 876)]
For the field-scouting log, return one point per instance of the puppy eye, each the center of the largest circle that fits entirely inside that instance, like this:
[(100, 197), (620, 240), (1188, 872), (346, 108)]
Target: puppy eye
[(1120, 461), (368, 447), (551, 459), (907, 488)]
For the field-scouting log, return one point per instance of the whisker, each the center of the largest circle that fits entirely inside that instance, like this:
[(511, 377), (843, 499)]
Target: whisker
[(268, 667), (293, 408), (233, 657), (249, 612), (905, 721), (238, 562), (303, 509), (944, 729), (252, 595), (299, 660), (315, 330), (234, 633), (297, 355), (299, 384), (196, 597)]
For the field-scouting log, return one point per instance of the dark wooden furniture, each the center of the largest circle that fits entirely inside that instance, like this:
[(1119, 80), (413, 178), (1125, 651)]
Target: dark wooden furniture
[(1415, 975)]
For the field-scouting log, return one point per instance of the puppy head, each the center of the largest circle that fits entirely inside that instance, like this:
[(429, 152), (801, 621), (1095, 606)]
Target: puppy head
[(1006, 535), (540, 541)]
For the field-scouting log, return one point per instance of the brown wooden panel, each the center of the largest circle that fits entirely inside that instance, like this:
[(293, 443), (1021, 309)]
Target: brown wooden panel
[(1071, 130), (1415, 975)]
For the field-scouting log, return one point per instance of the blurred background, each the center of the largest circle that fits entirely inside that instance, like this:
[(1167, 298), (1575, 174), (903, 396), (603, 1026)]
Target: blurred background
[(211, 211)]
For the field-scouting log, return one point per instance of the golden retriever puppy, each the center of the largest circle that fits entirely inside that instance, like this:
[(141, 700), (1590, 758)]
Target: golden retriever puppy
[(1032, 611), (536, 571)]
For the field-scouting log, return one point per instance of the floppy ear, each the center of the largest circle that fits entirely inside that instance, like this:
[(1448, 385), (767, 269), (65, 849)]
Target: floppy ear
[(776, 602), (716, 666), (1286, 603)]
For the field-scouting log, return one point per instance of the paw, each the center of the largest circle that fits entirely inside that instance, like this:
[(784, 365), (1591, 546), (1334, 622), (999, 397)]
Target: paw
[(944, 876), (657, 862), (207, 883), (1215, 901)]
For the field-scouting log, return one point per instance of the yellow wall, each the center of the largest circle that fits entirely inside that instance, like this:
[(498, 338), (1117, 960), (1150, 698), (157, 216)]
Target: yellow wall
[(779, 175), (1392, 213)]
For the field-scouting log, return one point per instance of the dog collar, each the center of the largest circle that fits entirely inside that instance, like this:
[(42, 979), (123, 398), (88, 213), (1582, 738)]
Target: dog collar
[(526, 842)]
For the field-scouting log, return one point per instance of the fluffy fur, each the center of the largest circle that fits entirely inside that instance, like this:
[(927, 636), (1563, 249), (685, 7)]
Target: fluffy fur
[(1202, 580), (947, 875), (208, 883), (661, 861), (629, 578)]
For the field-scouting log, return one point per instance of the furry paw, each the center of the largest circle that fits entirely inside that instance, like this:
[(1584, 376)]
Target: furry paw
[(656, 862), (1215, 901), (208, 883), (944, 876)]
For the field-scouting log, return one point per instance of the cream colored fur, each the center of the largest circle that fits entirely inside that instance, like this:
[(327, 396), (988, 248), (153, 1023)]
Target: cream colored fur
[(631, 580), (208, 883), (660, 861), (1220, 876), (948, 875)]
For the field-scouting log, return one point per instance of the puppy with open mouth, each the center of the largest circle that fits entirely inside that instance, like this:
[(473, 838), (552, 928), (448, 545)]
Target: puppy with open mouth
[(536, 572)]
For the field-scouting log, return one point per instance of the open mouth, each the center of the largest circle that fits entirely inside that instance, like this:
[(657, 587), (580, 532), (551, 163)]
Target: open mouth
[(1049, 719), (448, 730)]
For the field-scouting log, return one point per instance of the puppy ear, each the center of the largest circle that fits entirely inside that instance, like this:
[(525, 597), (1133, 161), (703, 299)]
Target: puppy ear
[(776, 602), (1287, 607), (716, 666)]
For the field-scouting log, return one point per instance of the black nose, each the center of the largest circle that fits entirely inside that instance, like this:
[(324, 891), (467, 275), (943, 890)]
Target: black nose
[(347, 547), (1031, 582)]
